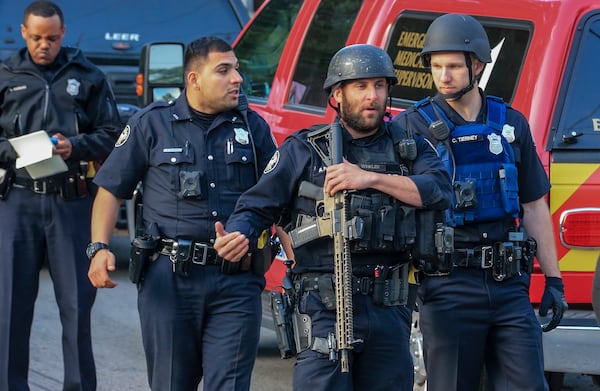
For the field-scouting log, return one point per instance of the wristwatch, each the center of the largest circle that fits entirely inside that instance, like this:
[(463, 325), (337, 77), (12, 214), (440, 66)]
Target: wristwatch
[(93, 248)]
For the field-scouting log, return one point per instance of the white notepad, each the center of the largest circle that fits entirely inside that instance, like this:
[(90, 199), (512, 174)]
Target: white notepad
[(35, 154)]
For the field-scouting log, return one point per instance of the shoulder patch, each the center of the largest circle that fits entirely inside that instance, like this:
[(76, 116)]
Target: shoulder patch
[(124, 136), (272, 163)]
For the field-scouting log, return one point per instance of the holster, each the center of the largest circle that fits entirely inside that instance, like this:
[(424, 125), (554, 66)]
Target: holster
[(144, 249), (434, 243), (282, 310), (7, 177)]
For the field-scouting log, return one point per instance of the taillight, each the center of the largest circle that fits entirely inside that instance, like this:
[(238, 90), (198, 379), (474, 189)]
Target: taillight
[(580, 228)]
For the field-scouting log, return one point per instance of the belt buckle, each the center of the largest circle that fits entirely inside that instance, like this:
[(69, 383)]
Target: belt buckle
[(40, 187), (200, 247), (487, 257)]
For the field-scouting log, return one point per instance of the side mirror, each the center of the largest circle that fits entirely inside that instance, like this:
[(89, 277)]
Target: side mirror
[(161, 72)]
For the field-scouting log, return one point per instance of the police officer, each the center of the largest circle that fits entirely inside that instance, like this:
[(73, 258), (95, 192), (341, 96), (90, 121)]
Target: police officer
[(49, 87), (480, 312), (195, 155), (386, 187)]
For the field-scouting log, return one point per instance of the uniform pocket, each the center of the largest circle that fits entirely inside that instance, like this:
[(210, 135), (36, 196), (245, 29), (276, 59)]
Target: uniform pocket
[(240, 162)]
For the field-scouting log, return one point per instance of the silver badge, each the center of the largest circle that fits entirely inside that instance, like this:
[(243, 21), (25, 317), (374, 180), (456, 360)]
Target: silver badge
[(241, 136), (73, 87), (508, 132), (495, 144)]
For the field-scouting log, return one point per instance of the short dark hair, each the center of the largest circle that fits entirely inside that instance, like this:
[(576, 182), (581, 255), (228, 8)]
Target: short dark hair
[(200, 48), (44, 9)]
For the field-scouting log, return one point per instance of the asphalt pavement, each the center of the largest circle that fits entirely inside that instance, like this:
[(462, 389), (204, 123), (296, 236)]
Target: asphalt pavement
[(117, 342)]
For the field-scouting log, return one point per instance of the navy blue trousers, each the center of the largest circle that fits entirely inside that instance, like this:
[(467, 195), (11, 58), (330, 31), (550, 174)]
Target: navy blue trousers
[(36, 229), (206, 326), (468, 319), (382, 362)]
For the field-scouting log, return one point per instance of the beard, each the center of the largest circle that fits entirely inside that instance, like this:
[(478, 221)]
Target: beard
[(353, 117)]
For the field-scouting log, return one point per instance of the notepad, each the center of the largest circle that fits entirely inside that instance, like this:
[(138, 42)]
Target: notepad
[(35, 154)]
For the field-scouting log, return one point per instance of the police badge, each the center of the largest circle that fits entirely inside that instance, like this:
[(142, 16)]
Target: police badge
[(495, 144), (241, 136), (73, 87)]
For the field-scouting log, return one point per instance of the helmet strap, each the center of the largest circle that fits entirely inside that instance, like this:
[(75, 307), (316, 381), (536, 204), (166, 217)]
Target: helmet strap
[(459, 94)]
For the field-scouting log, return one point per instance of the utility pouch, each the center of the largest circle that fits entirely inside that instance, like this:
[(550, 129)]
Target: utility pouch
[(444, 245), (228, 267), (327, 292), (509, 188), (506, 261), (73, 186), (268, 248), (529, 252), (143, 251), (424, 249), (181, 257), (7, 178), (396, 286), (283, 312), (434, 243), (380, 275)]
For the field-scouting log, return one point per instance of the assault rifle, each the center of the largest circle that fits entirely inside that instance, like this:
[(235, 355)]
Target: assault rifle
[(332, 220)]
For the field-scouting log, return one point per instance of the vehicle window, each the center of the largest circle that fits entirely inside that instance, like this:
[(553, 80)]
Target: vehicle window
[(259, 50), (579, 116), (509, 41), (326, 35)]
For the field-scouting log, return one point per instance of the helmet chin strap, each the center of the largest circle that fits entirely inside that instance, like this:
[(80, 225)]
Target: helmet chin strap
[(459, 94)]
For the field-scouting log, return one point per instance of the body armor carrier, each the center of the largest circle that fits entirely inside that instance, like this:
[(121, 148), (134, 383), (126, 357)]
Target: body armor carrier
[(383, 224), (480, 161)]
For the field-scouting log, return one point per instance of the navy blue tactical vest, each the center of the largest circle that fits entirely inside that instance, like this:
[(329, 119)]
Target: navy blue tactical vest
[(481, 164)]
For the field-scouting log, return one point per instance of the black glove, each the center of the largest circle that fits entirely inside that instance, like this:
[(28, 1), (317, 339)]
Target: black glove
[(8, 155), (553, 297)]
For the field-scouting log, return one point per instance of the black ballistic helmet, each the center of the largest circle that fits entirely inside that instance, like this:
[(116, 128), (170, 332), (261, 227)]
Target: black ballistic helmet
[(456, 33), (359, 61)]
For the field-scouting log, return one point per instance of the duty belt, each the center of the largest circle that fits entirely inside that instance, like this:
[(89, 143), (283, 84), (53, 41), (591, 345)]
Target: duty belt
[(478, 257), (310, 282), (505, 259), (388, 286), (39, 186), (200, 253)]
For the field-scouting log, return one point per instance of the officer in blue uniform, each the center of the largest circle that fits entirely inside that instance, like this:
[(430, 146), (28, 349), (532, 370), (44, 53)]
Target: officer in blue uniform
[(477, 310), (45, 218), (200, 316), (386, 186)]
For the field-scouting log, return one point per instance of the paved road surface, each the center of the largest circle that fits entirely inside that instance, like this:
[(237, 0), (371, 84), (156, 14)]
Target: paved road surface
[(117, 343)]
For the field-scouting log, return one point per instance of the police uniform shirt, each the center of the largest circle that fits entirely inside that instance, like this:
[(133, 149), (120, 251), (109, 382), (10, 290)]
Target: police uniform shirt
[(297, 161), (192, 173), (532, 179)]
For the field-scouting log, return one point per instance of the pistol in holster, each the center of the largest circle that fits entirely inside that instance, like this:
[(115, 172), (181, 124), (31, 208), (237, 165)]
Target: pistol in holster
[(283, 301), (144, 249)]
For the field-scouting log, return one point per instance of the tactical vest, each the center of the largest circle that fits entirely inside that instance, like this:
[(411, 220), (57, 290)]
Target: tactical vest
[(481, 164), (388, 225)]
